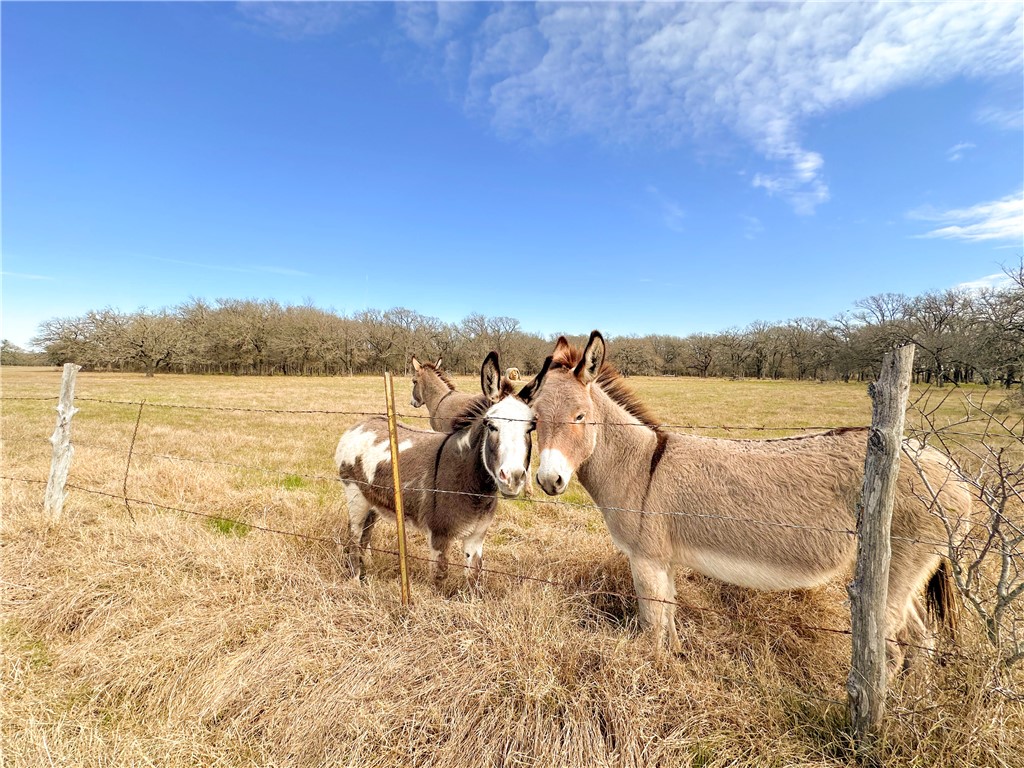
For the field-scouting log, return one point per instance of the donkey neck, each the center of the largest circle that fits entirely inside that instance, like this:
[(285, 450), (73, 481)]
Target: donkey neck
[(435, 389), (460, 465), (617, 473)]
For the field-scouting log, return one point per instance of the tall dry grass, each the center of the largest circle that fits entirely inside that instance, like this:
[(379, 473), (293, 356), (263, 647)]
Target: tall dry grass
[(173, 639)]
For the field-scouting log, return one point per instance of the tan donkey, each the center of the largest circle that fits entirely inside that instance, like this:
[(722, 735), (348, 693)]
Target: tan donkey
[(432, 387), (764, 514)]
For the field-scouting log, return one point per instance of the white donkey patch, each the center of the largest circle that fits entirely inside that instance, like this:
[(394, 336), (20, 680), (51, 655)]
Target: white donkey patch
[(359, 443)]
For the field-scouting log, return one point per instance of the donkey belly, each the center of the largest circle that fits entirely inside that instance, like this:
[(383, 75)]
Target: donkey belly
[(764, 562), (759, 574)]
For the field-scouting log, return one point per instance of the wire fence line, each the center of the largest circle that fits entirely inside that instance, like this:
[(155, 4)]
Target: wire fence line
[(128, 500), (942, 545), (408, 487), (684, 428), (422, 416), (520, 576)]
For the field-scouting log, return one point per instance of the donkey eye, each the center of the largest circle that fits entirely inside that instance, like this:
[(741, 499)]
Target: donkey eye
[(492, 426), (579, 418)]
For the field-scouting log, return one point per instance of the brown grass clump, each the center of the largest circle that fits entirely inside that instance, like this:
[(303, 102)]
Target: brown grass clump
[(178, 640)]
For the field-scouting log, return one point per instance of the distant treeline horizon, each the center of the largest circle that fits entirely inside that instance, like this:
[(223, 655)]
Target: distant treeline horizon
[(962, 336)]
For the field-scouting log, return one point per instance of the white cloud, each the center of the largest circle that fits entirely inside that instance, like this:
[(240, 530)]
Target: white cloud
[(1006, 119), (674, 72), (998, 280), (25, 276), (672, 213), (297, 20), (996, 220), (752, 226), (956, 152)]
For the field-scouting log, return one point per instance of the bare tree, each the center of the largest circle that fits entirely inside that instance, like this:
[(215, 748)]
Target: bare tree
[(634, 356), (406, 323), (71, 340), (961, 337), (988, 561), (766, 350), (804, 341), (141, 340), (939, 324), (703, 352), (881, 309), (735, 351), (12, 354)]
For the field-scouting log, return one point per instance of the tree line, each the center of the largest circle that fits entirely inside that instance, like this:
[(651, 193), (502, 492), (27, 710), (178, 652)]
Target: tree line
[(962, 336)]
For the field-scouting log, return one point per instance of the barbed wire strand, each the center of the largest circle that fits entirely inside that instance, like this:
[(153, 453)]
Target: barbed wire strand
[(811, 428), (517, 576), (128, 461), (917, 540), (335, 412), (943, 545)]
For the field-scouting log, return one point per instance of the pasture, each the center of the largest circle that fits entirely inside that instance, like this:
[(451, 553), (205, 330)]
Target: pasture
[(176, 631)]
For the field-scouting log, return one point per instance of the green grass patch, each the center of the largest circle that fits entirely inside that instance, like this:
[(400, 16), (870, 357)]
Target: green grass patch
[(293, 482), (227, 527), (34, 649)]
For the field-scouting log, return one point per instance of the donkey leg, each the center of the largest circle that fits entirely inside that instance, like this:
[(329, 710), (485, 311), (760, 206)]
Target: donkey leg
[(674, 645), (473, 549), (909, 570), (364, 537), (438, 558), (655, 593), (360, 512), (915, 637)]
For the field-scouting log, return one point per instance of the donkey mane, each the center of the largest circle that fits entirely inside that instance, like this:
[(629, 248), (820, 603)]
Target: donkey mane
[(442, 375), (475, 409), (614, 385)]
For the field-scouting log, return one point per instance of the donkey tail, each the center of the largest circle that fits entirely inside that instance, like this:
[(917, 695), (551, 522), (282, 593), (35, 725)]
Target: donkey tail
[(939, 598)]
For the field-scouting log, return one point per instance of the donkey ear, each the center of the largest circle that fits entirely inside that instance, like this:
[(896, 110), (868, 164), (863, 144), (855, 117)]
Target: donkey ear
[(490, 377), (593, 356), (527, 393), (415, 364), (438, 364), (562, 351)]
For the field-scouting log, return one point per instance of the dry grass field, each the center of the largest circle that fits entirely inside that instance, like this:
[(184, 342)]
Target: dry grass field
[(139, 635)]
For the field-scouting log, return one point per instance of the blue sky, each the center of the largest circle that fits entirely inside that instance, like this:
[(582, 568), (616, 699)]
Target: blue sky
[(635, 168)]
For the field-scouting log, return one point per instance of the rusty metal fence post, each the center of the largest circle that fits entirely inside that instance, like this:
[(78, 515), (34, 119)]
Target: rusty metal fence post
[(403, 568)]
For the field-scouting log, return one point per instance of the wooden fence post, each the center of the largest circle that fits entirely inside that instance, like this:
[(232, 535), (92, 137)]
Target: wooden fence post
[(403, 569), (60, 462), (866, 684)]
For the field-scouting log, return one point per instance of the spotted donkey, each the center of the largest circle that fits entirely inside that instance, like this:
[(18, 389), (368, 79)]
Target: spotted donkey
[(450, 481)]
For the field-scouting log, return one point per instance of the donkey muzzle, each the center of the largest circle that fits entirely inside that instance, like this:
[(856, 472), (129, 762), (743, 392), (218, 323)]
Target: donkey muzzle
[(554, 472), (511, 482)]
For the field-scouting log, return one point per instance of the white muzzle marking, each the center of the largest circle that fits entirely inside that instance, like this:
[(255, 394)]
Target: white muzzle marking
[(554, 472), (512, 417)]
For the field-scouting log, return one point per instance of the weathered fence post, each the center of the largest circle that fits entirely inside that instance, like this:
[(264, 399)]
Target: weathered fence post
[(60, 462), (866, 684), (403, 569)]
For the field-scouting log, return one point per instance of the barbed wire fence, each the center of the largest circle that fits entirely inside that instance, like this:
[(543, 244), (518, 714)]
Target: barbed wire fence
[(1007, 547), (131, 451)]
